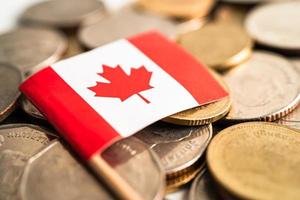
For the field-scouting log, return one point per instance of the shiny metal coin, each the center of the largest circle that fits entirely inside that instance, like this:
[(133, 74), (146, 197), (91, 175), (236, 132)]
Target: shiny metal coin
[(30, 109), (126, 22), (32, 48), (256, 160), (276, 25), (292, 119), (266, 87), (18, 142), (63, 13), (178, 147), (10, 79), (67, 179)]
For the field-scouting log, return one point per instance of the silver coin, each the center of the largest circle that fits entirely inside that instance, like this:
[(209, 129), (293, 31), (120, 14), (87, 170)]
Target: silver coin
[(10, 79), (18, 142), (293, 119), (67, 179), (126, 22), (178, 147), (31, 48), (266, 87), (276, 25), (30, 109), (63, 13)]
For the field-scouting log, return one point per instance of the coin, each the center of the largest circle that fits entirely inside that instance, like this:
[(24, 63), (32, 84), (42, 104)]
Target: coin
[(218, 45), (10, 79), (30, 109), (266, 87), (179, 8), (55, 169), (257, 160), (205, 114), (273, 25), (203, 187), (129, 157), (18, 142), (31, 48), (231, 13), (63, 13), (178, 147), (292, 119), (74, 47), (126, 22)]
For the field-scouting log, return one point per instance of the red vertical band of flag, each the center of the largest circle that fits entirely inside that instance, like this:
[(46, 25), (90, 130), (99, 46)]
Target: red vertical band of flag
[(76, 121), (180, 65)]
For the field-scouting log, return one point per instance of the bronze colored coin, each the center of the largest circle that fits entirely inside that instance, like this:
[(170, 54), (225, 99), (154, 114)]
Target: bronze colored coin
[(178, 147), (266, 87), (179, 8), (126, 22), (273, 25), (257, 160), (31, 48), (218, 45), (231, 13), (63, 13), (203, 114), (175, 183), (67, 179), (30, 109), (10, 79), (18, 142)]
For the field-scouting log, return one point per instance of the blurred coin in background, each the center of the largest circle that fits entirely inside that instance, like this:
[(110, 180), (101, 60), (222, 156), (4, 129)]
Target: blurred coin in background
[(126, 22), (18, 142), (257, 160), (10, 79), (178, 147), (63, 13), (32, 48), (218, 45), (266, 87), (276, 25), (205, 114), (179, 8)]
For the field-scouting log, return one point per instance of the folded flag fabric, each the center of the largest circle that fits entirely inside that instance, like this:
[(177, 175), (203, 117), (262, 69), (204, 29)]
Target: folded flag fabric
[(116, 90)]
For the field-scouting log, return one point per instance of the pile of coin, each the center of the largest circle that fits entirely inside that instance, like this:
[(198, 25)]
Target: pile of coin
[(244, 146)]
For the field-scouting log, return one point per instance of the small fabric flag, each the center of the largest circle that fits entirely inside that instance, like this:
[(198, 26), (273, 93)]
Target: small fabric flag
[(118, 89)]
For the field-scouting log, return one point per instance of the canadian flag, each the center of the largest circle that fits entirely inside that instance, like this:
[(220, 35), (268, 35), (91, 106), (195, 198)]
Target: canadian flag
[(118, 89)]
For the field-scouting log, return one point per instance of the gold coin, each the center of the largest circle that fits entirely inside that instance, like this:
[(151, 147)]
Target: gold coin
[(203, 114), (179, 8), (218, 45), (174, 183), (257, 160)]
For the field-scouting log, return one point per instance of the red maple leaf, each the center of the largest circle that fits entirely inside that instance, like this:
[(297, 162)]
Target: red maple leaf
[(122, 85)]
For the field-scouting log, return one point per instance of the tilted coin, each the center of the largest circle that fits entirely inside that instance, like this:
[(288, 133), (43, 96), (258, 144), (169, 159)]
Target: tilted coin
[(257, 160), (179, 8), (31, 48), (10, 79), (55, 169), (126, 22), (30, 109), (74, 47), (129, 157), (63, 13), (266, 87), (176, 155), (231, 13), (203, 114), (275, 25), (18, 142), (218, 45)]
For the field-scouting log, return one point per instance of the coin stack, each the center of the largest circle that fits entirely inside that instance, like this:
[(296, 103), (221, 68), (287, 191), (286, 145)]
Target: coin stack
[(244, 146)]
